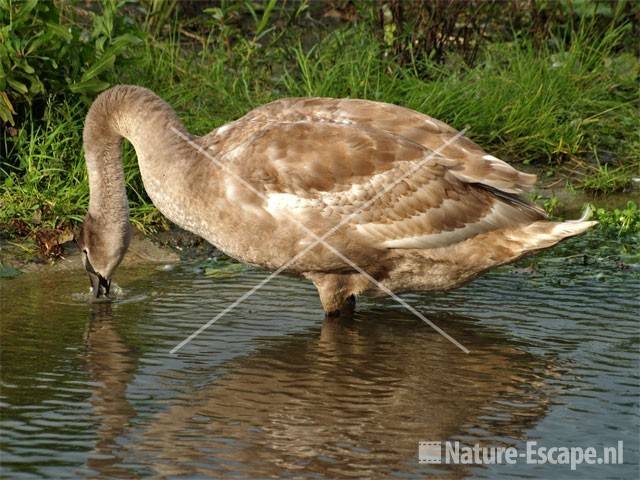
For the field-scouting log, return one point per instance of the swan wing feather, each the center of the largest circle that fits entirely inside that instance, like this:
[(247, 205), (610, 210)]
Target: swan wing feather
[(393, 191), (474, 164)]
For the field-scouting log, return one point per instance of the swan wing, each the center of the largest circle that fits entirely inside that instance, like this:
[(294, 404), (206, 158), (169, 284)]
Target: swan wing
[(474, 164), (392, 191)]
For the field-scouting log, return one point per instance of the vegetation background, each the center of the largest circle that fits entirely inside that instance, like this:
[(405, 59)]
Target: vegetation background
[(551, 86)]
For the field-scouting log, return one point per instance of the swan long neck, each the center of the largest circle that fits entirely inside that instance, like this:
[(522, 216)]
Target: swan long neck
[(146, 121)]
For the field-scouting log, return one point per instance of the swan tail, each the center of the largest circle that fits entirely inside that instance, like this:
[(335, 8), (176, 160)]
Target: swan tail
[(499, 247), (544, 234)]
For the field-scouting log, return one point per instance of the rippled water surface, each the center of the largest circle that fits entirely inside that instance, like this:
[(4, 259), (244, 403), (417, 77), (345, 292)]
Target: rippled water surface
[(274, 390)]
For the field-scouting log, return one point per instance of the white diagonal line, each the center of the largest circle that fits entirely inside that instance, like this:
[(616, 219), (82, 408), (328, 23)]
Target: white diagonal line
[(318, 240), (230, 307)]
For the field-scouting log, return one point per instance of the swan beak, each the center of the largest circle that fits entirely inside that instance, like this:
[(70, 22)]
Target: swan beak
[(99, 285)]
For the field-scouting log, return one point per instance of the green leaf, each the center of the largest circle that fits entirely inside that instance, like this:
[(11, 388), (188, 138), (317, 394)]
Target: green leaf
[(89, 86), (60, 31), (18, 86), (215, 12), (122, 41), (108, 58), (27, 68), (25, 10), (36, 85), (5, 114), (105, 62), (265, 16), (5, 101)]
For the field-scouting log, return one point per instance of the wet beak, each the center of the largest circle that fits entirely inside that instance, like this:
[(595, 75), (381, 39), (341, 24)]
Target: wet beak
[(99, 285)]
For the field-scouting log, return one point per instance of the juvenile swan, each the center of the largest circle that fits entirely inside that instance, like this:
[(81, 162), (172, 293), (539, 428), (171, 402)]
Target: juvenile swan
[(359, 197)]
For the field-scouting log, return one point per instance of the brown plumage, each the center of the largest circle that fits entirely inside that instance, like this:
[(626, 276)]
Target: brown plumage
[(405, 198)]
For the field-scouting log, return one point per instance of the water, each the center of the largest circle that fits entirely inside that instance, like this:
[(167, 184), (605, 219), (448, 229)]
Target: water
[(274, 390)]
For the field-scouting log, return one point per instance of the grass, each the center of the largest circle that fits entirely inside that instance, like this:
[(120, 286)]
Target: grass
[(602, 178), (48, 189), (559, 106)]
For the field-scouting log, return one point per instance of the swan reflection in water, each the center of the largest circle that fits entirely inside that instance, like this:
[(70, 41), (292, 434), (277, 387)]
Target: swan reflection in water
[(112, 365), (353, 400)]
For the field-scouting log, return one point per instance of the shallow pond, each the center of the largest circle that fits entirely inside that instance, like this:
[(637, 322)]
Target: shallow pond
[(274, 390)]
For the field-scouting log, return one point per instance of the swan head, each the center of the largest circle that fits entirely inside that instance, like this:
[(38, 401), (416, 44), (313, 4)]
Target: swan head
[(102, 245)]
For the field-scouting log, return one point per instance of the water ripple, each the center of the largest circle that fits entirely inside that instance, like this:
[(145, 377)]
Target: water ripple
[(273, 390)]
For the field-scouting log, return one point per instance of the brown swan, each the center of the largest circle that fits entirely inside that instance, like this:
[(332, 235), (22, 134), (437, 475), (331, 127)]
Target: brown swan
[(359, 197)]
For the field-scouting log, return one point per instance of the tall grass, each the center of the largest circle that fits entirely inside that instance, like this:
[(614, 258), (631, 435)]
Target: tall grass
[(544, 104), (551, 105), (48, 186)]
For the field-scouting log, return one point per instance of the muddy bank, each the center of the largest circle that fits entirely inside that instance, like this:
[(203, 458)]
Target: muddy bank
[(167, 247)]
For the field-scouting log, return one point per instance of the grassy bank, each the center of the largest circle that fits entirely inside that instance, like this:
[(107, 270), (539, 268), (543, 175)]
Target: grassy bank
[(566, 107)]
